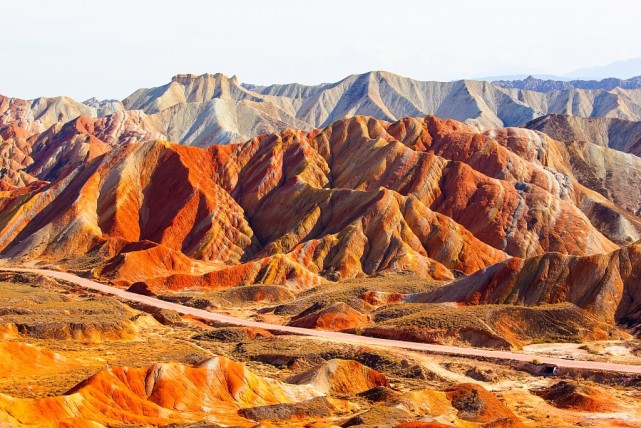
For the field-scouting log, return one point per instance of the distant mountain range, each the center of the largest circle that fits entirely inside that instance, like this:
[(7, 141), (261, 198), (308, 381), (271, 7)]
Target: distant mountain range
[(215, 109), (547, 85), (623, 69)]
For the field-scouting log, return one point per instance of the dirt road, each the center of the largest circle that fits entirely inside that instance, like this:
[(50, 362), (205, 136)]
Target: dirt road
[(328, 335)]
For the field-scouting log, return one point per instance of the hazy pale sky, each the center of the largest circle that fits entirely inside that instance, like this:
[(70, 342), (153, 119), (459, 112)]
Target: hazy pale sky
[(108, 49)]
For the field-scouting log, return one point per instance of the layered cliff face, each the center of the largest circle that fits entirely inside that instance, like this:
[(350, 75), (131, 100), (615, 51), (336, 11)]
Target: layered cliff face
[(359, 198), (62, 148), (602, 154)]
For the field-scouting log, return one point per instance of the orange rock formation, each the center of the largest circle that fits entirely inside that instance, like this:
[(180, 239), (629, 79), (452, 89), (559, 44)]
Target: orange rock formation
[(359, 197)]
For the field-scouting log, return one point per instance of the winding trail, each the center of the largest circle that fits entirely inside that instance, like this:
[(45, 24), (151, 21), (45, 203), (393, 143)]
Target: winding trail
[(328, 335)]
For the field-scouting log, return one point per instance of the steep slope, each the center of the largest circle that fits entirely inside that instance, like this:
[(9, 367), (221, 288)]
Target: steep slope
[(104, 107), (594, 149), (387, 96), (29, 156), (611, 173), (115, 194), (222, 120)]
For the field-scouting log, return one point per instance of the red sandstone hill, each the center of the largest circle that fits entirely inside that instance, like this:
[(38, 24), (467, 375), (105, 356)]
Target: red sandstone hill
[(158, 395), (15, 155), (359, 197)]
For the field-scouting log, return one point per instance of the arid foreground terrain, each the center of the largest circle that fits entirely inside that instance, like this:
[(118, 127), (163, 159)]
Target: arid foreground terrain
[(77, 358), (419, 230)]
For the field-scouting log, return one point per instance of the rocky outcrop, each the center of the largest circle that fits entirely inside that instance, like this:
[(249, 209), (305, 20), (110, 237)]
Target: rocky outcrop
[(338, 316), (570, 395), (15, 157), (340, 377), (54, 152), (476, 404), (104, 107), (61, 149)]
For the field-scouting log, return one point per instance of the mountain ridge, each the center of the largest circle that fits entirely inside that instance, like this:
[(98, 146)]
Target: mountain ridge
[(548, 85), (216, 109), (623, 69)]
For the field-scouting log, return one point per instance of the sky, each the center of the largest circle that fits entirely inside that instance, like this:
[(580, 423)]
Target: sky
[(108, 49)]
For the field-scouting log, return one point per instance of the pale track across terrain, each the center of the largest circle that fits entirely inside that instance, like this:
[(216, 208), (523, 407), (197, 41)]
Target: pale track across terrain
[(327, 335)]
